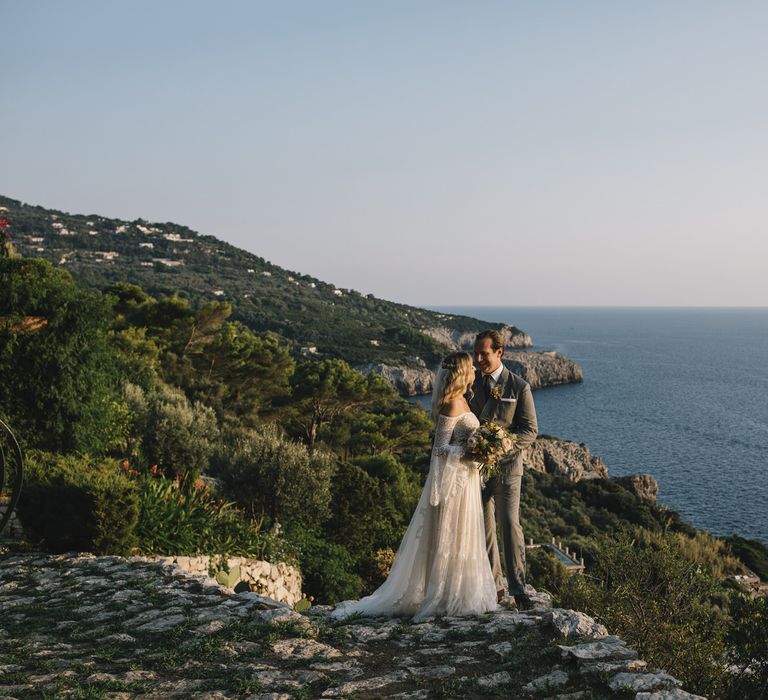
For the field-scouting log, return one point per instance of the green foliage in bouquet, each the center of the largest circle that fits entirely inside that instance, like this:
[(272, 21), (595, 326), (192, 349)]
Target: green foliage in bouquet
[(80, 504)]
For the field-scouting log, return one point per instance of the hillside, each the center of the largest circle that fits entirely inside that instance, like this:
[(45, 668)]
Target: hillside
[(165, 258)]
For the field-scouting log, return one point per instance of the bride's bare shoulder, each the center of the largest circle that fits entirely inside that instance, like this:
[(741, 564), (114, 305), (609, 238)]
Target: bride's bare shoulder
[(455, 408)]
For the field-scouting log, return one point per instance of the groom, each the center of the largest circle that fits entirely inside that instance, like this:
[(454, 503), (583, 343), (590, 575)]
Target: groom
[(504, 398)]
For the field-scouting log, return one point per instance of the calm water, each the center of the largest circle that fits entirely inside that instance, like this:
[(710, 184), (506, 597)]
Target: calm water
[(679, 393)]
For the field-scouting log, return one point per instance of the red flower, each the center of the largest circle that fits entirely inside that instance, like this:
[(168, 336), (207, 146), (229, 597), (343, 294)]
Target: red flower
[(154, 469), (3, 224)]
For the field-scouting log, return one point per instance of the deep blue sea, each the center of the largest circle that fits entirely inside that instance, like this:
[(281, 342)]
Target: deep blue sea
[(680, 393)]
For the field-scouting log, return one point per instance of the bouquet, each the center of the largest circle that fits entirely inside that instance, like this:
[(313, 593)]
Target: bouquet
[(488, 445)]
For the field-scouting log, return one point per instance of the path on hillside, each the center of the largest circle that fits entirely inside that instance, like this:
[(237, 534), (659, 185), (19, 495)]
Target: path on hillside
[(84, 626)]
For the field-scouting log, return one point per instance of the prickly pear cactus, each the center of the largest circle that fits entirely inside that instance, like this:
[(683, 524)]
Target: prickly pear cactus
[(228, 578), (303, 605)]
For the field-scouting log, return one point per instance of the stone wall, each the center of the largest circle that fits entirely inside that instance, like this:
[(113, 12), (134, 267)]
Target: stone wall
[(278, 581)]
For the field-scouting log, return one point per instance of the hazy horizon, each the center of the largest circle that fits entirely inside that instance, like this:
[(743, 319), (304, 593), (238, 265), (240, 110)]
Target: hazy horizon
[(432, 153)]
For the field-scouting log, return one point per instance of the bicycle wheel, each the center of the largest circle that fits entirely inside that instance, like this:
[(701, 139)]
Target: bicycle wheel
[(11, 474)]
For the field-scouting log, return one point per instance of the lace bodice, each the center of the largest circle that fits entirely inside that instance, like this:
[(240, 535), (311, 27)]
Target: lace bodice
[(453, 431)]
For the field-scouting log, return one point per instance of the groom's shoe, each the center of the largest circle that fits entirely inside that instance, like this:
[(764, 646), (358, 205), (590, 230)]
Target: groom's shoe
[(524, 602)]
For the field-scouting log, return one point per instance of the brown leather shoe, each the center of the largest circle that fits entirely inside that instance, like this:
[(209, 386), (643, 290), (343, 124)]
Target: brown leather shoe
[(524, 601), (500, 595)]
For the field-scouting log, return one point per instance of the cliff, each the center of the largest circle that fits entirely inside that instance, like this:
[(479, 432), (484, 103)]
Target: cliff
[(574, 461), (565, 458), (539, 369), (408, 381), (543, 369), (465, 339)]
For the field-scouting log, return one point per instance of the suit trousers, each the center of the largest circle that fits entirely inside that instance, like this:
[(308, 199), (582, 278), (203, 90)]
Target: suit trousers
[(501, 507)]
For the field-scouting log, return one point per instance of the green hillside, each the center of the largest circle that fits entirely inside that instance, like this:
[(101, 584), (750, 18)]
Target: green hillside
[(166, 258)]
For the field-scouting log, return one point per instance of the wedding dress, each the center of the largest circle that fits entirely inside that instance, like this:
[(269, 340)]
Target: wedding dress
[(442, 566)]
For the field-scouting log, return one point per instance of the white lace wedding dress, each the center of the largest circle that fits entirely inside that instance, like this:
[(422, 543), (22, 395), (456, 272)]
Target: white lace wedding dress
[(442, 566)]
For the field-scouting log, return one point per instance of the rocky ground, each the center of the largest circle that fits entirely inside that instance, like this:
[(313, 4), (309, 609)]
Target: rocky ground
[(78, 626)]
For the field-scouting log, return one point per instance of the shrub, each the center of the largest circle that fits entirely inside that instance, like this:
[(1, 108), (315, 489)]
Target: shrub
[(271, 475), (76, 503), (184, 518), (178, 435), (660, 602), (326, 567)]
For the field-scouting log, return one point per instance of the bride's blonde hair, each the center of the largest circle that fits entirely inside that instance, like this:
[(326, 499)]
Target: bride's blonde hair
[(454, 376)]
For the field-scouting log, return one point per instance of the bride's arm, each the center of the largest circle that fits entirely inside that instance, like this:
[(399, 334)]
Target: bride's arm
[(441, 447)]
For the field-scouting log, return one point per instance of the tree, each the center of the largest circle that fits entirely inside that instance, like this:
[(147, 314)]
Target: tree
[(59, 376), (327, 389)]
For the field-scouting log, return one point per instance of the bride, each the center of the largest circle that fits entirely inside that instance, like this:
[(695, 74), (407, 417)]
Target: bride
[(442, 566)]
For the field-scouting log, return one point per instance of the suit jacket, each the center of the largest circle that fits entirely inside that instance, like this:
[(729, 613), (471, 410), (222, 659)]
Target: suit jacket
[(514, 410)]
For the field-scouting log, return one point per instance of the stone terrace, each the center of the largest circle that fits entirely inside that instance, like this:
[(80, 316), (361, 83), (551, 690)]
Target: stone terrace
[(105, 627)]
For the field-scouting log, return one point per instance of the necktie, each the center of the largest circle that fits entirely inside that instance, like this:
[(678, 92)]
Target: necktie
[(486, 387)]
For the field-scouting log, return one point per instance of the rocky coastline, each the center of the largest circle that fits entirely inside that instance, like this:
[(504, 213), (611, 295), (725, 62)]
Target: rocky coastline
[(465, 340), (574, 461), (543, 369)]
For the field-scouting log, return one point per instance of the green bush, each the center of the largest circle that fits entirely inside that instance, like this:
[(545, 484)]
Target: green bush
[(661, 603), (175, 434), (184, 518), (273, 476), (327, 568), (76, 503)]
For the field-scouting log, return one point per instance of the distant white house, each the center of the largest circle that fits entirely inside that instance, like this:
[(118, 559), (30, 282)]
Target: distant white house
[(93, 233), (168, 262), (290, 279), (312, 285), (266, 274), (146, 245), (146, 263), (218, 292), (176, 238), (122, 228), (250, 269), (57, 225), (311, 350), (37, 239), (338, 292), (375, 342)]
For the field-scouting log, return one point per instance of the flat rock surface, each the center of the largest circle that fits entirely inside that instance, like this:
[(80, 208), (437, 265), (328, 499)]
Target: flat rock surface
[(79, 626)]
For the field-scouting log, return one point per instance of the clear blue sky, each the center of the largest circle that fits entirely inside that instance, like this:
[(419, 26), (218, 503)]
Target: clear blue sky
[(477, 152)]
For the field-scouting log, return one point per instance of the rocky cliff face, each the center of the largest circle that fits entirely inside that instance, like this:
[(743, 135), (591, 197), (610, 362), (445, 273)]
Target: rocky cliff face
[(539, 369), (465, 340), (408, 381), (543, 369), (565, 458), (643, 485)]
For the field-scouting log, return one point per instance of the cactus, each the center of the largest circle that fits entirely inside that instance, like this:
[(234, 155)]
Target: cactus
[(303, 605), (228, 578)]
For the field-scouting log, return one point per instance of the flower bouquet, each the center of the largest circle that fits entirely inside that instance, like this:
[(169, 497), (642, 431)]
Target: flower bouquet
[(488, 445)]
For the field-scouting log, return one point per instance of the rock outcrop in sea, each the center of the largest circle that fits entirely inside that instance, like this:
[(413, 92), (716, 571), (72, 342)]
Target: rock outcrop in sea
[(543, 369)]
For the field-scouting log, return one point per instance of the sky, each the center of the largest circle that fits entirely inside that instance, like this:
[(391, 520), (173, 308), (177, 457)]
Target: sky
[(436, 153)]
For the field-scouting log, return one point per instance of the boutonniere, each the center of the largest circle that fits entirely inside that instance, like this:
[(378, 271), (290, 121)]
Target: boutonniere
[(496, 392)]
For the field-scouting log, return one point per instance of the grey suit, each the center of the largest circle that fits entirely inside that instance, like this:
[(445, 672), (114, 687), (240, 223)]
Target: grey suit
[(515, 410)]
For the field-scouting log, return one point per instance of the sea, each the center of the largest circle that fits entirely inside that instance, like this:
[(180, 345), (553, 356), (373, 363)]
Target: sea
[(679, 393)]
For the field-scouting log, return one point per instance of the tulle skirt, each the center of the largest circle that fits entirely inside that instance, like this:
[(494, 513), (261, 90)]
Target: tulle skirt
[(442, 566)]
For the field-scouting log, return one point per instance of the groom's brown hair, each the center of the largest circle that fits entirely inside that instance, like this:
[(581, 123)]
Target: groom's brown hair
[(497, 341)]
